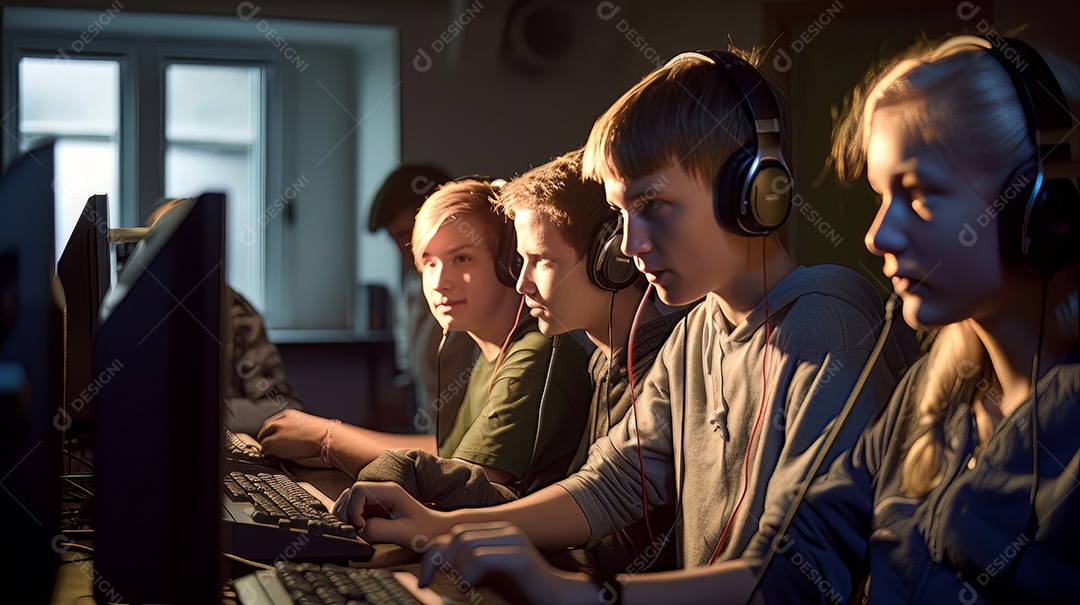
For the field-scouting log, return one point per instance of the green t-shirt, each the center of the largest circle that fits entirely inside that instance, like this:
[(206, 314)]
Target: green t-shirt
[(499, 430)]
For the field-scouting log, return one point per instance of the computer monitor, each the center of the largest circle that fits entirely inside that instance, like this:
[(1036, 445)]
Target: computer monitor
[(30, 375), (157, 354), (85, 272)]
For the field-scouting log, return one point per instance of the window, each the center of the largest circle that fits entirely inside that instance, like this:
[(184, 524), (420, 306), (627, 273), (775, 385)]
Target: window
[(214, 139), (214, 142), (78, 104), (269, 111)]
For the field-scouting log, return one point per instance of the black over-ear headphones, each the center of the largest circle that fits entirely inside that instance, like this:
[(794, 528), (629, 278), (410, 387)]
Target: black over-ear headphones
[(608, 268), (752, 192), (1037, 226), (507, 261)]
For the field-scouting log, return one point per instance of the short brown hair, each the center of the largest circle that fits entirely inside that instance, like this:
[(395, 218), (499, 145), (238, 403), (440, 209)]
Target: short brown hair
[(686, 113), (560, 196), (455, 200), (403, 192)]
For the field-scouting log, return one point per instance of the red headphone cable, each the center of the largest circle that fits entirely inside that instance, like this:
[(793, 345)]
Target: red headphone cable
[(502, 349), (724, 535)]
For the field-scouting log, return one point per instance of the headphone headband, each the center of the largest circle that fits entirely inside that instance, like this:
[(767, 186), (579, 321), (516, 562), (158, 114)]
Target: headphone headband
[(1045, 226), (1051, 207), (507, 261), (752, 193)]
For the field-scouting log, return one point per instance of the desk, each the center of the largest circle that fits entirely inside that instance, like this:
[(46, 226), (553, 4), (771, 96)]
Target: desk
[(75, 576)]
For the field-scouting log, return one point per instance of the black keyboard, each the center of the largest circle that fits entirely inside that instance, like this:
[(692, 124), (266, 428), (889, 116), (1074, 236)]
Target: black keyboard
[(238, 449), (269, 515), (278, 500), (291, 583)]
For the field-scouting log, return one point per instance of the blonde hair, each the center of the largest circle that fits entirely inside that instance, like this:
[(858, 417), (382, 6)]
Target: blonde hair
[(959, 100), (963, 104), (165, 207), (561, 197), (685, 113), (451, 202)]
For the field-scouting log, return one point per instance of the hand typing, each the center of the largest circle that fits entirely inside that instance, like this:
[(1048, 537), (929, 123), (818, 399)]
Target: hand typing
[(294, 435), (500, 556), (387, 513)]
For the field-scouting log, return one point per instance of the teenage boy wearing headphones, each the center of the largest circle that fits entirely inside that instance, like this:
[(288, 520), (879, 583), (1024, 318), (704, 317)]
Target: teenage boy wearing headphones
[(573, 277), (465, 250), (964, 490), (421, 351), (742, 394)]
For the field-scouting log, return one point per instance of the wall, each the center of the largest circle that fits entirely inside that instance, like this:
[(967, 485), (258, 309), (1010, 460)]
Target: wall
[(470, 112)]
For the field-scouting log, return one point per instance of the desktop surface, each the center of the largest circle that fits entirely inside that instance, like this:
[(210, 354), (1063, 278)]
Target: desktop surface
[(76, 577)]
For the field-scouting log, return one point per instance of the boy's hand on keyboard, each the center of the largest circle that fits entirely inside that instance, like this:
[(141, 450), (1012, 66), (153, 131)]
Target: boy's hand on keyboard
[(294, 435), (499, 555), (384, 512)]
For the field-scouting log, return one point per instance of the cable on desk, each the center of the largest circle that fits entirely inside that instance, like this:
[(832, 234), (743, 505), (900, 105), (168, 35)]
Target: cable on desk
[(79, 459), (78, 487), (246, 561), (77, 546)]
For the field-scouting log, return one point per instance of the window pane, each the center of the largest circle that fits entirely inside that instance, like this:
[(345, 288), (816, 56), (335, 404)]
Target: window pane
[(213, 126), (211, 103), (70, 97), (78, 103)]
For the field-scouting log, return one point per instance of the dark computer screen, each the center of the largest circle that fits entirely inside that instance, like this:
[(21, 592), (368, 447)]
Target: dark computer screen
[(84, 270), (30, 377), (157, 357)]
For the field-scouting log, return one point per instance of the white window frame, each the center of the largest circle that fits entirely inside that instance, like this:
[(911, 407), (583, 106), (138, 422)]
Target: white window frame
[(142, 125)]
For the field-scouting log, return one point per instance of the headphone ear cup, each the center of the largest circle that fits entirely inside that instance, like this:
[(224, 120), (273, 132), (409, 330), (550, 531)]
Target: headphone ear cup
[(763, 207), (1053, 228), (507, 261), (608, 268), (1011, 204), (727, 191), (769, 197)]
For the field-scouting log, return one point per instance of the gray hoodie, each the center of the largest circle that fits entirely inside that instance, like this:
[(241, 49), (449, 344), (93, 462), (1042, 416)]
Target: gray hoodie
[(701, 401)]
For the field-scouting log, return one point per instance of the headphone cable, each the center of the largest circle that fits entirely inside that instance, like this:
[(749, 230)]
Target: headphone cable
[(633, 405), (506, 342), (823, 451), (726, 533), (438, 385), (611, 355), (1033, 518)]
